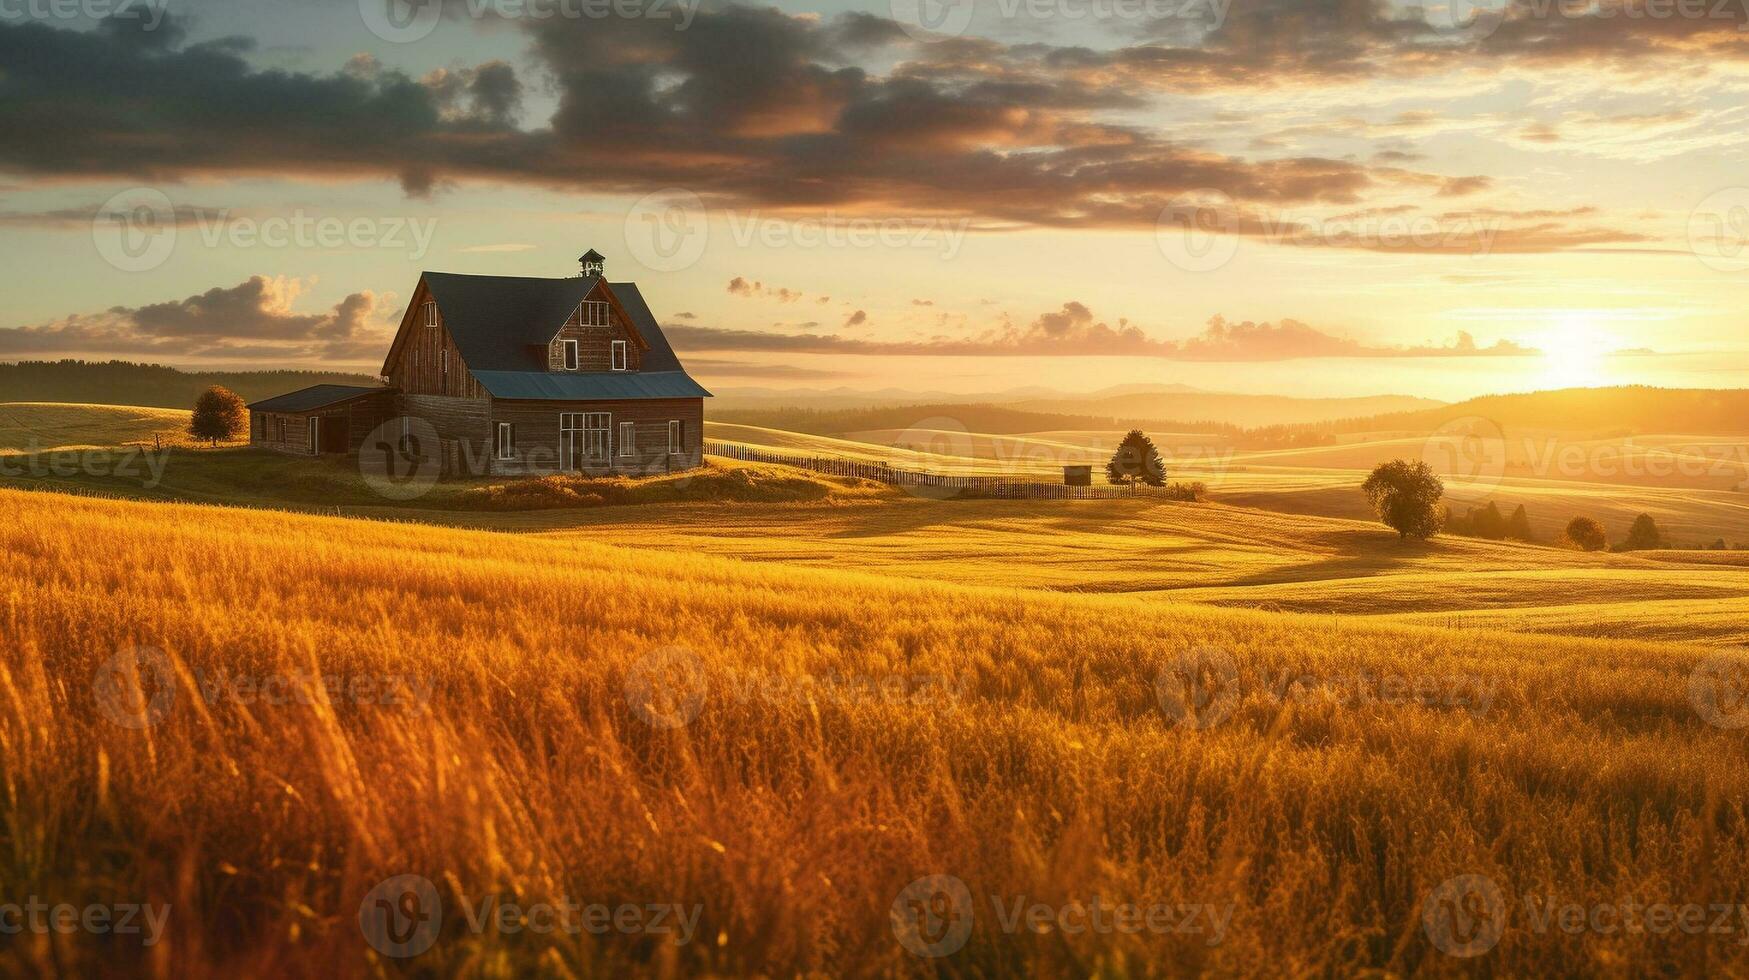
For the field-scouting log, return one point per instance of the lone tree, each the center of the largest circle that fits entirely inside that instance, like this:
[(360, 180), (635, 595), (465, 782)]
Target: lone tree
[(1136, 459), (1586, 534), (1406, 495), (1643, 535), (218, 414)]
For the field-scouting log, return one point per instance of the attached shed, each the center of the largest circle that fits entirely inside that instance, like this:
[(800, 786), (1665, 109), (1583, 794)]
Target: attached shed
[(320, 419)]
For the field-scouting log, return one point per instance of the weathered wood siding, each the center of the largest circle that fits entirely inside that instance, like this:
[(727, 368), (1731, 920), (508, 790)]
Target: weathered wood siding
[(427, 360), (463, 429), (362, 416), (537, 435), (594, 342)]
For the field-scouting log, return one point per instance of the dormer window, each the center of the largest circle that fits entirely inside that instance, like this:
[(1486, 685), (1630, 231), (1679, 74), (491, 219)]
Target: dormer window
[(570, 355), (619, 355)]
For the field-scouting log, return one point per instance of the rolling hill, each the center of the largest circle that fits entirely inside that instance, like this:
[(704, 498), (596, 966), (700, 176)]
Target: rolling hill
[(296, 708)]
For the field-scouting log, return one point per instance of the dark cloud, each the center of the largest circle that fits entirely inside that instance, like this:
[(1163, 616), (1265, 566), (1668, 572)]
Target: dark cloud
[(748, 108), (856, 319), (252, 319), (741, 286)]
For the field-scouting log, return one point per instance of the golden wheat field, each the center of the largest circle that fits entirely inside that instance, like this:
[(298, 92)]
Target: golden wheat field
[(745, 721), (496, 720)]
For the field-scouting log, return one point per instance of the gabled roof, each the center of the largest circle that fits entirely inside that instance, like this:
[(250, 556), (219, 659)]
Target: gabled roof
[(503, 324), (316, 396)]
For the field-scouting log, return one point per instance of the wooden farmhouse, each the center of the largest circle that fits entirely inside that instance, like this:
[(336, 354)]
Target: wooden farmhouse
[(515, 376)]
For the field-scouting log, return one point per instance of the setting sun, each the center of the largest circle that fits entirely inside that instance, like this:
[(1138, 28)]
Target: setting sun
[(1573, 353)]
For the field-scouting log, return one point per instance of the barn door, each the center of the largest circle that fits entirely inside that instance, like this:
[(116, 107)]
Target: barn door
[(314, 433)]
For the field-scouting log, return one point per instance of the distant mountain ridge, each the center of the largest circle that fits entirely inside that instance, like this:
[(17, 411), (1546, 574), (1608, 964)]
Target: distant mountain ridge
[(1625, 410)]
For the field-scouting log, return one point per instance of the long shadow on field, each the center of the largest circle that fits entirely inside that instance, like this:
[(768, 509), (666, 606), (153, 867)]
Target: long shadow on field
[(1357, 555)]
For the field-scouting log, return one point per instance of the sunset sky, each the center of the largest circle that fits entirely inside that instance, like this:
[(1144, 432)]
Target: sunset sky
[(1316, 198)]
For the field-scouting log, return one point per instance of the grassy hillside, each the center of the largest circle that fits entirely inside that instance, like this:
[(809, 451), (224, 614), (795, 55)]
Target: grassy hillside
[(491, 733), (151, 385), (47, 426), (1249, 411)]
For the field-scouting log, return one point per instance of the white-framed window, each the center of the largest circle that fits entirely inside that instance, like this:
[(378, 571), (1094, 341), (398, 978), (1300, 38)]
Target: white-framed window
[(506, 440), (431, 314), (570, 354), (627, 439), (676, 434), (593, 313), (315, 432), (282, 433), (596, 427), (619, 355)]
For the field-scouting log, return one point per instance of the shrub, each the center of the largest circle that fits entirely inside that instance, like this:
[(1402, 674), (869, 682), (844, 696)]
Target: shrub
[(1406, 495), (1585, 534), (1190, 492)]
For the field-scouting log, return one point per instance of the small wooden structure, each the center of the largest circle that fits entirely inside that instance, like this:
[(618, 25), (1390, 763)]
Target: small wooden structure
[(1077, 476)]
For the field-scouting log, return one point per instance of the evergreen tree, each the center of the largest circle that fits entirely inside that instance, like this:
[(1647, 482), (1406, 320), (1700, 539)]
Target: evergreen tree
[(1136, 459)]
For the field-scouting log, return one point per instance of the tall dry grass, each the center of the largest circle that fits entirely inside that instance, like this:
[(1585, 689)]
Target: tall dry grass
[(1054, 774)]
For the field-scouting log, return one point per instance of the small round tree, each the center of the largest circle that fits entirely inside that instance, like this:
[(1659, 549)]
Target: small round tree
[(1136, 459), (1586, 534), (218, 414), (1643, 535), (1405, 494)]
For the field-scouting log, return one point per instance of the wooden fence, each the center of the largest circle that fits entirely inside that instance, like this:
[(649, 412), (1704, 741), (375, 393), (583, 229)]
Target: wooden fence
[(925, 483)]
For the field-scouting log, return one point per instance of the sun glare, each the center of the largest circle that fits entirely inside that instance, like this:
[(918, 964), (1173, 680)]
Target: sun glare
[(1573, 351)]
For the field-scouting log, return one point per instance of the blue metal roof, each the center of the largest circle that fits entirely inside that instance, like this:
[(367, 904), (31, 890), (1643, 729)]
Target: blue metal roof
[(592, 386), (316, 396)]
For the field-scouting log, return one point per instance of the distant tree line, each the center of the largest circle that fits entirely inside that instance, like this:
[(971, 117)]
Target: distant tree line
[(152, 385)]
